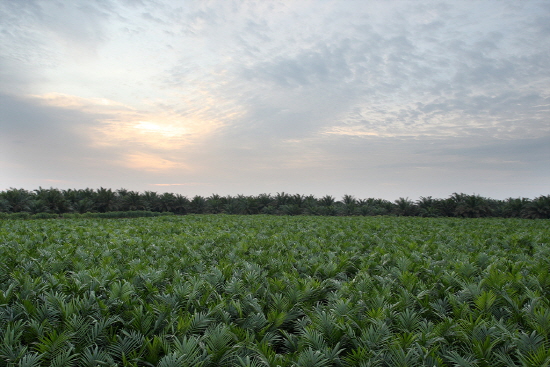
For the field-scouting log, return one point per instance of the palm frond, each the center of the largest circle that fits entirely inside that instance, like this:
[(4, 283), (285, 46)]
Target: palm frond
[(32, 359), (311, 358), (126, 344), (190, 349), (93, 357), (460, 361), (66, 358), (171, 360)]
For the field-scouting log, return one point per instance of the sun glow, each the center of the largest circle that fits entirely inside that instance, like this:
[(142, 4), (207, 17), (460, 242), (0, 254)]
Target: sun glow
[(165, 129), (155, 138), (151, 163)]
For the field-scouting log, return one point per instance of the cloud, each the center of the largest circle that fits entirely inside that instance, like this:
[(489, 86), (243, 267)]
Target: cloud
[(275, 95)]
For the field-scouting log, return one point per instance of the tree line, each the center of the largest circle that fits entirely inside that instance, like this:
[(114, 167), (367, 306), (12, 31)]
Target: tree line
[(103, 200)]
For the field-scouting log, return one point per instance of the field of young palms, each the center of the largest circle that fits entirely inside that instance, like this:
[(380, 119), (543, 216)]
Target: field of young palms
[(232, 290)]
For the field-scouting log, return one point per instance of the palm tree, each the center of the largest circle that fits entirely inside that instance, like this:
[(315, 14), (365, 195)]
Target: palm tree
[(167, 202), (18, 200), (405, 207), (310, 205), (281, 199), (181, 204), (234, 205), (539, 208), (327, 201), (150, 200), (473, 206), (264, 201), (290, 209), (428, 207), (53, 200), (447, 207), (4, 204), (132, 200), (198, 205), (105, 200), (327, 205), (349, 206), (214, 203)]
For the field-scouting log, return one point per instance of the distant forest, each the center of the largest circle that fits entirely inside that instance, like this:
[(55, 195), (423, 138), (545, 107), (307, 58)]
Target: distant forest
[(51, 203)]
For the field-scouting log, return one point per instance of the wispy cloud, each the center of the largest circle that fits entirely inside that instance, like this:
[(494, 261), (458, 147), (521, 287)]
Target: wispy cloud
[(271, 96)]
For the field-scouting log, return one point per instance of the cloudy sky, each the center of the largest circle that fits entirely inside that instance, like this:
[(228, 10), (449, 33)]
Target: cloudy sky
[(382, 99)]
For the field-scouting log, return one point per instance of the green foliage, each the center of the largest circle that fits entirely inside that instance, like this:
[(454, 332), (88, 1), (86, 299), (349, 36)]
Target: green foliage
[(237, 290), (106, 203)]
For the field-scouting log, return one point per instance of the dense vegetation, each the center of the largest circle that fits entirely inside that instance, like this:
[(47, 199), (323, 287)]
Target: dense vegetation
[(54, 201), (220, 290)]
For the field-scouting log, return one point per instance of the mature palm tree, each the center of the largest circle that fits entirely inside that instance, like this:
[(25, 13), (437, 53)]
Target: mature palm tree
[(264, 201), (198, 205), (132, 200), (234, 205), (473, 206), (105, 200), (538, 208), (297, 199), (215, 203), (84, 205), (327, 205), (4, 204), (349, 205), (428, 207), (250, 204), (310, 205), (405, 207), (327, 201), (167, 202), (282, 198), (290, 209), (150, 200), (18, 200), (181, 204), (53, 200), (447, 207)]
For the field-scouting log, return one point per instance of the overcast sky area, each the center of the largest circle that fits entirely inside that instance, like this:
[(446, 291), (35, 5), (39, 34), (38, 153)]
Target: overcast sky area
[(382, 99)]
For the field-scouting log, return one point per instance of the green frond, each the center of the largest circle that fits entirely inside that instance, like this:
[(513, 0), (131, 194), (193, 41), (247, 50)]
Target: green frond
[(266, 354), (98, 332), (190, 348), (374, 336), (407, 320), (460, 361), (93, 357), (397, 357), (121, 291), (53, 343), (255, 321), (171, 360), (66, 358), (79, 327), (311, 358), (485, 301), (539, 319), (153, 349), (219, 341), (30, 360), (248, 362), (125, 345), (196, 323), (536, 358), (313, 339), (527, 343)]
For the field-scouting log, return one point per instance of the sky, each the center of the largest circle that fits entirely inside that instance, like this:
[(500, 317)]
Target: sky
[(382, 99)]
